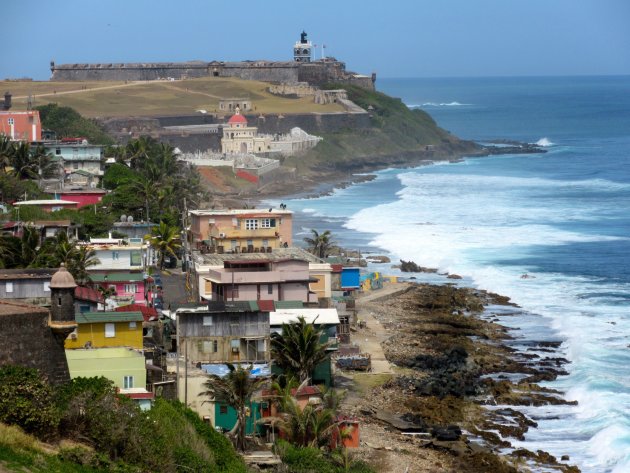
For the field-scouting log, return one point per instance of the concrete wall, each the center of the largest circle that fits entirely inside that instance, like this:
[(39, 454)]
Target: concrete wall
[(26, 340)]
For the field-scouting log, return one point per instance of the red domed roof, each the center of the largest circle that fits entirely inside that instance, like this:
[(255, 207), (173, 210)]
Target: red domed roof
[(236, 119)]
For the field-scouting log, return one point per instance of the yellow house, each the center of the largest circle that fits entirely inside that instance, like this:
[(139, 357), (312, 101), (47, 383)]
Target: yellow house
[(106, 329)]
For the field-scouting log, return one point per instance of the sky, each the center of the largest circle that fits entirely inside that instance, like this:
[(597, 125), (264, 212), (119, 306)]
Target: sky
[(394, 38)]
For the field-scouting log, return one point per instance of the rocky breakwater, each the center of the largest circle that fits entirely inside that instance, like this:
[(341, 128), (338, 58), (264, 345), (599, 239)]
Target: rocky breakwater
[(453, 366)]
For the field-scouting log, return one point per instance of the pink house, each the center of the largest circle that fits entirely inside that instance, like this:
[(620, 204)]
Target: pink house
[(261, 279), (129, 287)]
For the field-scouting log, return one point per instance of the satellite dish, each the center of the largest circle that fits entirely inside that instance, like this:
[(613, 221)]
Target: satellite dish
[(123, 218), (130, 219)]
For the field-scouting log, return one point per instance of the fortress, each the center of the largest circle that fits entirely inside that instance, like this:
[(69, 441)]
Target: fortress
[(301, 69)]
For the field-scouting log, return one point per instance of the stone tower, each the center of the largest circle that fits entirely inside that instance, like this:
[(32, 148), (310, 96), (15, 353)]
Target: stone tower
[(302, 49), (62, 294)]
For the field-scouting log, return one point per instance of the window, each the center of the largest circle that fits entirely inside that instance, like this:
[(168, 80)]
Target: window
[(75, 165), (135, 258), (251, 224), (46, 286), (265, 243), (9, 287), (268, 223), (132, 325), (222, 410), (269, 288), (207, 321), (130, 288), (210, 346), (235, 344), (128, 382), (11, 121), (58, 151), (233, 244), (115, 255), (110, 330)]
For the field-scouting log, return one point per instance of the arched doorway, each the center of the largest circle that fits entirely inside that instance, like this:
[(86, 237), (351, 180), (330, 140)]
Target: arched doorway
[(243, 147)]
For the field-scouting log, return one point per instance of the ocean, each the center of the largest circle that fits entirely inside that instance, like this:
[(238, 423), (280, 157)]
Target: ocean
[(562, 218)]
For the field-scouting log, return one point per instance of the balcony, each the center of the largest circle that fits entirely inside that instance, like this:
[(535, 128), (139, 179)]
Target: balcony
[(231, 233), (257, 277)]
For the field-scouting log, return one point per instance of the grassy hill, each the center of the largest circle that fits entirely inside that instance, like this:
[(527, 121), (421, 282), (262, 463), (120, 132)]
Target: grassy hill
[(398, 136), (152, 98)]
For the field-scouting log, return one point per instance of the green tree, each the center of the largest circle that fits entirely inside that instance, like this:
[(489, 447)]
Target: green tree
[(6, 153), (67, 122), (297, 350), (320, 244), (28, 401), (164, 239), (236, 390)]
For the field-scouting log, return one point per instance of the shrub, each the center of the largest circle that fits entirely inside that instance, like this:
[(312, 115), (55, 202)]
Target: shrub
[(26, 400)]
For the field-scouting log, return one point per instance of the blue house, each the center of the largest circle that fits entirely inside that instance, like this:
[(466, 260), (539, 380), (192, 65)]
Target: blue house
[(350, 278)]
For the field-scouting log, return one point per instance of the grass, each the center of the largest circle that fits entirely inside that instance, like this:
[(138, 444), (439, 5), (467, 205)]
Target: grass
[(153, 98), (364, 382)]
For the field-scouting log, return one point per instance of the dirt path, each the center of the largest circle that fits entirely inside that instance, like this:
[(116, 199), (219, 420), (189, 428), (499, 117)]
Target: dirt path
[(79, 91), (374, 334)]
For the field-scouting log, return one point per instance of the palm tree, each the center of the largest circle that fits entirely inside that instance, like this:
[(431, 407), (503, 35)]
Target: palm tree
[(297, 350), (312, 425), (164, 238), (21, 160), (82, 259), (144, 188), (6, 153), (320, 244), (236, 390)]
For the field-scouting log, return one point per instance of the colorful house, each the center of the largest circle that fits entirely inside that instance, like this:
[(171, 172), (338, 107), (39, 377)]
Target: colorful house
[(129, 287), (106, 329), (225, 416), (124, 366), (83, 197), (117, 254), (241, 230), (76, 156), (21, 126)]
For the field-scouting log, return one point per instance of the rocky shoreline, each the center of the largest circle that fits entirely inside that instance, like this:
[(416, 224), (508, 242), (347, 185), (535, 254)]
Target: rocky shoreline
[(457, 384), (323, 181)]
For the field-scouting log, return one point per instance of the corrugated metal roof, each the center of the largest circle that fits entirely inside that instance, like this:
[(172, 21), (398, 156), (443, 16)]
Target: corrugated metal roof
[(317, 315), (116, 277), (289, 304), (278, 254), (96, 317)]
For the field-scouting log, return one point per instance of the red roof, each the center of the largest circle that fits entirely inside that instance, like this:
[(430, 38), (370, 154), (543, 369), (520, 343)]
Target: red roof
[(148, 313), (307, 391), (266, 306), (336, 268), (87, 294), (238, 118)]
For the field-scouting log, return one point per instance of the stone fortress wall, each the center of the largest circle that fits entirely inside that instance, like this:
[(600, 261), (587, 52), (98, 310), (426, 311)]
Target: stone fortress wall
[(315, 73)]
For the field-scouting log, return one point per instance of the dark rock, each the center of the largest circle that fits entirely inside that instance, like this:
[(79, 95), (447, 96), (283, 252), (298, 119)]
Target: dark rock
[(448, 433), (454, 276)]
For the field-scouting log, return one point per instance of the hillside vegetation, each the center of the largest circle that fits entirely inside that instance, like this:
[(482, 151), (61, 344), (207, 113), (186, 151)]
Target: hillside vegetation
[(398, 135), (155, 98)]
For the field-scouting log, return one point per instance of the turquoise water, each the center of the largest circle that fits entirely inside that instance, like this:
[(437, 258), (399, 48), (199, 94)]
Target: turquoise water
[(562, 217)]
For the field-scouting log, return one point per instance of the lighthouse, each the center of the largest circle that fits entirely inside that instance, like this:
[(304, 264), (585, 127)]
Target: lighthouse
[(302, 49)]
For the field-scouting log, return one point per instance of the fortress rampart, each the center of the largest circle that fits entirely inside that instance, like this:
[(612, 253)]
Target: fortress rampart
[(315, 73)]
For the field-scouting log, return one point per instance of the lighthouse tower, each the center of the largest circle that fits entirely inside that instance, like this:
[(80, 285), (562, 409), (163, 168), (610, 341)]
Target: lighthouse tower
[(302, 49)]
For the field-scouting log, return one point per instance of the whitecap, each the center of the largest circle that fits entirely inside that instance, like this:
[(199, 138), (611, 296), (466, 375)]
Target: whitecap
[(544, 142)]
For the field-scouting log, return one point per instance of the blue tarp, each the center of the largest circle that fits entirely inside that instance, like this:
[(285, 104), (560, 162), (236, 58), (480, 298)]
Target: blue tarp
[(221, 370)]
